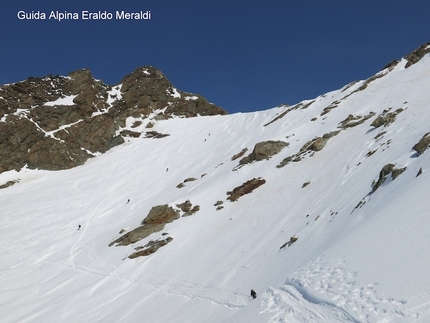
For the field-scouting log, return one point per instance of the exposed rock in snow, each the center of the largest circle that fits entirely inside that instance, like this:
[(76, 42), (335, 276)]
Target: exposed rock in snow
[(155, 221), (423, 144), (83, 115), (264, 150), (245, 188), (151, 247)]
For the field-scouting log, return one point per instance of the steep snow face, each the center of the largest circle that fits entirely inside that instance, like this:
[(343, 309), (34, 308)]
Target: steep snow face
[(359, 255)]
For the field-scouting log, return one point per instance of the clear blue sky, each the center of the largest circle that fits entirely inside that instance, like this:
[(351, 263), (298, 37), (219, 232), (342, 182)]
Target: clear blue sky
[(241, 55)]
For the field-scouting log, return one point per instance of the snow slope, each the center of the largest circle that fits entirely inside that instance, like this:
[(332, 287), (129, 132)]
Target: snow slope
[(349, 264)]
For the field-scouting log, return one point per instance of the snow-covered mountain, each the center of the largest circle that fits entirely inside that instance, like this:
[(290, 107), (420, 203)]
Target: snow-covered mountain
[(321, 207)]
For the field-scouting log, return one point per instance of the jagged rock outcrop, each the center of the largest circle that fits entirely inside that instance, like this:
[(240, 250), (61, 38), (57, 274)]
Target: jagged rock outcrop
[(188, 208), (318, 143), (161, 214), (264, 150), (155, 221), (155, 135), (147, 89), (150, 248), (423, 144), (309, 148), (385, 118), (245, 188), (354, 120), (383, 174), (417, 54), (58, 122), (238, 155)]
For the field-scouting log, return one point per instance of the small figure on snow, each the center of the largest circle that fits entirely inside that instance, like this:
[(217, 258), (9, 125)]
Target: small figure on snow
[(128, 201), (167, 169), (79, 227), (253, 294)]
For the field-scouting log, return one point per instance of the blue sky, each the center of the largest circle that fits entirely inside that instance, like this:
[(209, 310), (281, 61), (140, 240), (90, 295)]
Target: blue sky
[(241, 55)]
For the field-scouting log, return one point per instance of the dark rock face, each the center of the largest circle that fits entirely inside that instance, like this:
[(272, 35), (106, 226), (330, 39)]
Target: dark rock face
[(245, 188), (147, 89), (58, 122)]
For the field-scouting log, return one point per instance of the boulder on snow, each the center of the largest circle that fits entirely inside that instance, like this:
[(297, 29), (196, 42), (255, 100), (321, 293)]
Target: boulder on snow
[(155, 135), (423, 144), (290, 242), (187, 208), (354, 120), (150, 248), (137, 234), (8, 184), (155, 221), (385, 118), (245, 188), (161, 214), (420, 171), (264, 150), (385, 171)]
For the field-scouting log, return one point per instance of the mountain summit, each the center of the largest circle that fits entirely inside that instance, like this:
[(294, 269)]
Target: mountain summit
[(314, 212), (58, 122)]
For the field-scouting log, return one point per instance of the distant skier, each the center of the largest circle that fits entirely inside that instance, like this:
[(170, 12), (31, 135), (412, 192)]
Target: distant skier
[(128, 201), (253, 294), (79, 227), (167, 169)]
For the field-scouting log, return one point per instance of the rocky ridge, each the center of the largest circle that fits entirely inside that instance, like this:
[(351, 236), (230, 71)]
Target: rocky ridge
[(58, 122)]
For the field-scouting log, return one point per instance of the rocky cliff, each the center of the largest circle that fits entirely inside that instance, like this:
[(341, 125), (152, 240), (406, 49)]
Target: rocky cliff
[(58, 122)]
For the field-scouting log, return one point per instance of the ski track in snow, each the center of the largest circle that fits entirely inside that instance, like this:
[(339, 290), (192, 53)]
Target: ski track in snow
[(84, 229), (174, 287), (181, 288), (328, 292)]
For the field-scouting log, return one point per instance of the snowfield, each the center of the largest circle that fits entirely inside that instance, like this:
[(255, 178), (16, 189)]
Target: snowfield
[(352, 261)]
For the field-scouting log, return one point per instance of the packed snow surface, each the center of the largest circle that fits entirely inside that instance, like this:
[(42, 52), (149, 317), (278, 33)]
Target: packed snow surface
[(352, 262)]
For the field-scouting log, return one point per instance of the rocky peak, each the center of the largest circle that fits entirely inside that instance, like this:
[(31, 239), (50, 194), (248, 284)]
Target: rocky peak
[(58, 122), (148, 88)]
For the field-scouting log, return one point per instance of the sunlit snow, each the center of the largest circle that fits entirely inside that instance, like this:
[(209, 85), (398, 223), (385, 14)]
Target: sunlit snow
[(67, 100), (366, 264)]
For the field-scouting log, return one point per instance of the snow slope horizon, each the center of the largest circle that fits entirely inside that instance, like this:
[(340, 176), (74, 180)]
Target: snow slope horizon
[(349, 264)]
